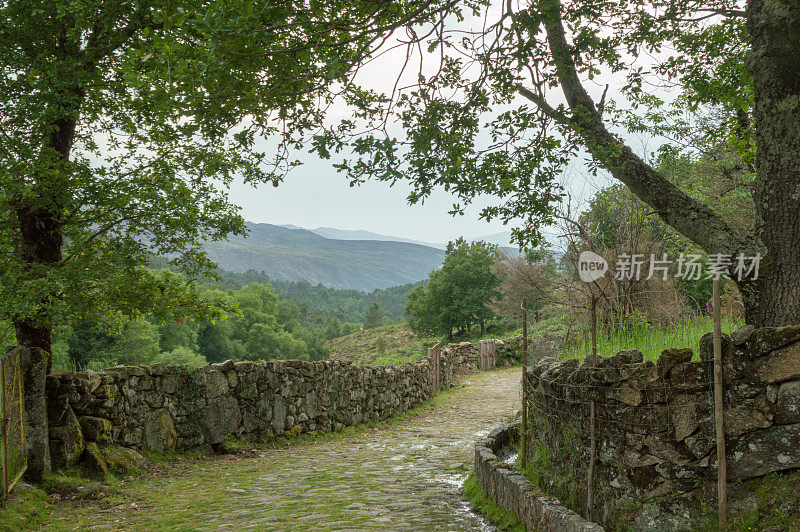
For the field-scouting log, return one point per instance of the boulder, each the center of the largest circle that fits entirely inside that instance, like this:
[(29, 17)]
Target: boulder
[(758, 453), (781, 365), (122, 460), (787, 408)]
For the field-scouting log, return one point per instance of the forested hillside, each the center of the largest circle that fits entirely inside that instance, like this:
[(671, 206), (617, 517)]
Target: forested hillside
[(342, 304), (298, 255)]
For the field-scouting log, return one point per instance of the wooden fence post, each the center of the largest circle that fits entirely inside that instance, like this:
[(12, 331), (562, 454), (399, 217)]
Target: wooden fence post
[(524, 443), (592, 415), (722, 464)]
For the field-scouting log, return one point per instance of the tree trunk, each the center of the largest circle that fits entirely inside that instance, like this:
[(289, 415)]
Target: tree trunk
[(41, 244), (774, 62), (41, 239)]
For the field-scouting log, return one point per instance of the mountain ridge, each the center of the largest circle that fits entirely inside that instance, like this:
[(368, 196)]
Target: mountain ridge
[(290, 254)]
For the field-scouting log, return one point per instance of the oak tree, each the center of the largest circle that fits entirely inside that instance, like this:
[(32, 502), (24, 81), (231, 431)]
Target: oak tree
[(515, 98), (121, 125)]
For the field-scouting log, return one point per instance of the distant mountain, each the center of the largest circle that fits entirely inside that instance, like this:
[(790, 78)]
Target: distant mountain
[(502, 239), (360, 234), (290, 254)]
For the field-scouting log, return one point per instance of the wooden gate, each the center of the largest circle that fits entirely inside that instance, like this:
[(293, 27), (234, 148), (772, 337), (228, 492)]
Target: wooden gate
[(487, 354), (435, 354), (12, 419)]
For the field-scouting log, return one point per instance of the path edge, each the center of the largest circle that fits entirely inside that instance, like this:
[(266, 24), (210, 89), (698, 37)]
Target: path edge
[(518, 495)]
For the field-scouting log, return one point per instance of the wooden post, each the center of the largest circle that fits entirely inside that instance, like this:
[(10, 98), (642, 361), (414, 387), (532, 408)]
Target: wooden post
[(722, 464), (524, 443), (592, 416), (3, 408)]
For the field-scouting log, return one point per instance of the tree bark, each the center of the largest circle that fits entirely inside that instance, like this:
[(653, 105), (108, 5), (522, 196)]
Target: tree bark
[(41, 244), (41, 239), (774, 62)]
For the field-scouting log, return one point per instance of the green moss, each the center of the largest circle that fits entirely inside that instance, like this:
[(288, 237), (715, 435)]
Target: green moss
[(484, 505), (27, 508)]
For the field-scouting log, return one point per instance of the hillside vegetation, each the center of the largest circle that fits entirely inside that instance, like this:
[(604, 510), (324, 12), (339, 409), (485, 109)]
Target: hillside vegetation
[(391, 344), (299, 255)]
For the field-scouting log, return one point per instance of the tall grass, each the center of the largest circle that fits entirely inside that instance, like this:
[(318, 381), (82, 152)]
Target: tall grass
[(648, 339)]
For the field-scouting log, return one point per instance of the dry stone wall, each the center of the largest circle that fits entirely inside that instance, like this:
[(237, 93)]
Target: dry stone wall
[(518, 495), (95, 417), (655, 423)]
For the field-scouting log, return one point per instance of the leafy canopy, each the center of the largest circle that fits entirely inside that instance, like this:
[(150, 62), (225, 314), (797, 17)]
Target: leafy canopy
[(124, 122), (457, 294), (487, 115)]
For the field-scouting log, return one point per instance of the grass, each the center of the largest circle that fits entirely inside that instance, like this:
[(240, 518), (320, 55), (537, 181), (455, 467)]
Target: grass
[(651, 341), (399, 346), (32, 507), (484, 505)]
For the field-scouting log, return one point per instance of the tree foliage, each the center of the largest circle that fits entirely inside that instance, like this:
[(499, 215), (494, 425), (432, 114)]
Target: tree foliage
[(374, 316), (511, 101), (456, 295)]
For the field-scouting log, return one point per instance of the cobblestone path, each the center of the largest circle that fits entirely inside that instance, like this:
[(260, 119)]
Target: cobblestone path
[(404, 475)]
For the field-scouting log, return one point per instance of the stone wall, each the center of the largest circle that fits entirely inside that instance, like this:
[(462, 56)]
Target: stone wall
[(96, 416), (464, 355), (655, 423), (518, 495)]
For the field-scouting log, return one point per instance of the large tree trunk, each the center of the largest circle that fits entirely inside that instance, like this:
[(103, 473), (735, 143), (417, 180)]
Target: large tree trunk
[(774, 62), (41, 238), (41, 244)]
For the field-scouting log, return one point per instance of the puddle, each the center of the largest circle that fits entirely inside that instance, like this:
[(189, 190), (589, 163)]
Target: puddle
[(508, 456)]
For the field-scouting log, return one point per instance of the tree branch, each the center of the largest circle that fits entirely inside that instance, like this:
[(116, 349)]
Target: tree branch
[(679, 210)]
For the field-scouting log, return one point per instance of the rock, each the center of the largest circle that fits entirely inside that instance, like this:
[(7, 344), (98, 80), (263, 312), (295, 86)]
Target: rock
[(767, 339), (629, 396), (93, 459), (746, 416), (220, 419), (686, 415), (244, 367), (66, 440), (278, 415), (781, 365), (216, 384), (758, 453), (669, 358), (223, 366), (742, 334), (707, 345), (787, 409), (630, 356), (159, 432), (123, 460), (96, 429), (691, 377)]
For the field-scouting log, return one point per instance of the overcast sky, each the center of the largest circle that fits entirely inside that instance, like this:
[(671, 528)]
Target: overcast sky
[(314, 194)]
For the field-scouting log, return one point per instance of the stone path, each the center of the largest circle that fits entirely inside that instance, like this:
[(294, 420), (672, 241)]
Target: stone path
[(402, 476)]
